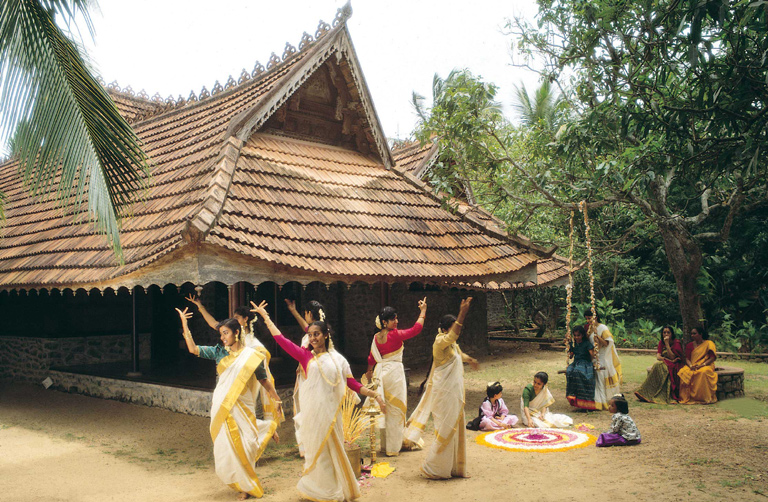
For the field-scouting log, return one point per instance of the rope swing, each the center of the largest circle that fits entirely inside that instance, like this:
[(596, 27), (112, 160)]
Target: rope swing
[(569, 288)]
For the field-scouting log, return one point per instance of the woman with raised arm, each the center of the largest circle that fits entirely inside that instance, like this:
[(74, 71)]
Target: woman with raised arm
[(443, 398), (313, 312), (242, 315), (327, 472), (239, 438), (385, 365)]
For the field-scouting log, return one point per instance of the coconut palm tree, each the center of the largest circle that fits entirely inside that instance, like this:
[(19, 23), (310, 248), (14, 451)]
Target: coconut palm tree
[(545, 108), (60, 124)]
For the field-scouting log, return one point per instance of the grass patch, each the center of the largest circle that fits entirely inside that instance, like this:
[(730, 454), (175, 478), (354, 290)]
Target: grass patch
[(745, 407)]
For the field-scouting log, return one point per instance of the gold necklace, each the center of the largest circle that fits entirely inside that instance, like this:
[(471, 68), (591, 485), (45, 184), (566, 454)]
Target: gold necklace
[(320, 369)]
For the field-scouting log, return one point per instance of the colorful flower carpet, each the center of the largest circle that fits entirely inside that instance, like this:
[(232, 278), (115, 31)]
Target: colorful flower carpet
[(538, 440)]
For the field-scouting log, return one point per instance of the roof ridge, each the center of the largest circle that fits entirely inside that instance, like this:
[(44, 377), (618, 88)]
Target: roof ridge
[(198, 227), (259, 72)]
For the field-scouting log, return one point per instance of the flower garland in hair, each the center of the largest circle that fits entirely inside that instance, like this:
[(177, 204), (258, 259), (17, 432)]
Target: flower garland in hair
[(321, 315), (378, 322)]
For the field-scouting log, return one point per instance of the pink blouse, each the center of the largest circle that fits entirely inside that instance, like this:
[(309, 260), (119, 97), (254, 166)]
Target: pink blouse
[(304, 355)]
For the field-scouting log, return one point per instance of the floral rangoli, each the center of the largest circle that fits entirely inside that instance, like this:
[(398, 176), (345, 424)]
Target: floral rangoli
[(539, 440)]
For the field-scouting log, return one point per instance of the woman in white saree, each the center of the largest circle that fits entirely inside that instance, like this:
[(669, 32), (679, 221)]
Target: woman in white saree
[(327, 475), (385, 366), (535, 403), (608, 375), (443, 398), (239, 438)]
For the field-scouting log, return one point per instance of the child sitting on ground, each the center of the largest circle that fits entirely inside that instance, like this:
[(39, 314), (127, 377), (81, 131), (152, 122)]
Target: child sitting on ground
[(535, 403), (495, 414), (623, 429)]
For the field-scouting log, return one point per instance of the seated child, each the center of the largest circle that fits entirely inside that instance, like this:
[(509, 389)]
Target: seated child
[(494, 412), (535, 403), (623, 429)]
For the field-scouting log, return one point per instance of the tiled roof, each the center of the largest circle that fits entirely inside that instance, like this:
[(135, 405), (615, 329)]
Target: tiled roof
[(337, 212), (413, 157), (290, 206)]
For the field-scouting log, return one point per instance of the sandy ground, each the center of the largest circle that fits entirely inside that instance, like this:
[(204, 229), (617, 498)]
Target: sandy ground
[(61, 447)]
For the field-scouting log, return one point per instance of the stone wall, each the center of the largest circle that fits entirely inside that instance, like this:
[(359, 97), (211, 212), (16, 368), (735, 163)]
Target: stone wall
[(29, 359), (497, 311), (178, 399), (730, 382)]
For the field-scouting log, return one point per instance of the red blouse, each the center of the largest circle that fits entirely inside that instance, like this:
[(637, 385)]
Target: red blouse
[(394, 341)]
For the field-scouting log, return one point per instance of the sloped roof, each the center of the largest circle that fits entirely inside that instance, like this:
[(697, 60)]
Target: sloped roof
[(413, 159), (222, 190)]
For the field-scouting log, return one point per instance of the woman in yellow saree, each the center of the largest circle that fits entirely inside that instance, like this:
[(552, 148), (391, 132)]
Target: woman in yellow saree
[(239, 438), (443, 398), (698, 380)]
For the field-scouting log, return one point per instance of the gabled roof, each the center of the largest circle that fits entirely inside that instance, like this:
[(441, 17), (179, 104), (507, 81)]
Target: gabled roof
[(230, 199)]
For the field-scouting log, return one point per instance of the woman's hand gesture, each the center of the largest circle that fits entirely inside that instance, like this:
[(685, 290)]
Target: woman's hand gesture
[(194, 299), (184, 314), (464, 307), (260, 309), (423, 305), (291, 304)]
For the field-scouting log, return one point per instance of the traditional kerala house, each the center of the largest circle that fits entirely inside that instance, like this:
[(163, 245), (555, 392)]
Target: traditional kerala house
[(277, 185), (416, 159)]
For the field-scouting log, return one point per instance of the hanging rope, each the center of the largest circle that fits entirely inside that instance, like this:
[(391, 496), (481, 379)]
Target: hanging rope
[(593, 322), (569, 295)]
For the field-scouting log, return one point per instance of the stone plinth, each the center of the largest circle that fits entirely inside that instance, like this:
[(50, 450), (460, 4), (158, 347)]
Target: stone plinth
[(730, 382)]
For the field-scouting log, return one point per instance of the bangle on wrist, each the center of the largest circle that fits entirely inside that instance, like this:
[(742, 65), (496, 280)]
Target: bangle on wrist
[(461, 325)]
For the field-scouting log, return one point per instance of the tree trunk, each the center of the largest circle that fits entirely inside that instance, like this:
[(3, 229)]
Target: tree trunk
[(685, 258)]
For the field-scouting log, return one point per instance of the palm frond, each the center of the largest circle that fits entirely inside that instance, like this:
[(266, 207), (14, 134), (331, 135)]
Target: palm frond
[(354, 421), (69, 137)]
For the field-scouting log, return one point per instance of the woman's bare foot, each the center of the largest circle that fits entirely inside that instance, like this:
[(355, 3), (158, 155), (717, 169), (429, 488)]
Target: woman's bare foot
[(276, 437), (243, 496)]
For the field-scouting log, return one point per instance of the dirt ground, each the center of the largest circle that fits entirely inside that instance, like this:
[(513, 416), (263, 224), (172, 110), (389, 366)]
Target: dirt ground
[(60, 447)]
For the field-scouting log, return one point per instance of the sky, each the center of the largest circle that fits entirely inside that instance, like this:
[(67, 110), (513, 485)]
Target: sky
[(174, 47)]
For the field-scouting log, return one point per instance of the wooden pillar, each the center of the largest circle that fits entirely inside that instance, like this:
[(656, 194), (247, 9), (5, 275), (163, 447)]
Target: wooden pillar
[(134, 337), (232, 292)]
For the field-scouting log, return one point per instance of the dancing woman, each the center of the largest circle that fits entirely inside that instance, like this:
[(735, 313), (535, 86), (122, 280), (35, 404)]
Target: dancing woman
[(385, 364), (314, 312), (239, 438), (443, 398), (327, 472), (242, 315)]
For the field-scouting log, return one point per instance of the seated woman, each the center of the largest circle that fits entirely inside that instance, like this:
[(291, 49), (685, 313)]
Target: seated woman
[(580, 375), (495, 414), (698, 380), (535, 405), (662, 385)]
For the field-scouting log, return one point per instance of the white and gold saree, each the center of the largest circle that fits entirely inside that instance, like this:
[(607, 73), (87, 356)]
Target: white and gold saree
[(327, 473), (539, 404), (239, 438), (443, 398), (608, 377), (391, 377)]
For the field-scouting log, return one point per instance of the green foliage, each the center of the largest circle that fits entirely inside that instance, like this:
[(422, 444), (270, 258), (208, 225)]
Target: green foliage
[(68, 136)]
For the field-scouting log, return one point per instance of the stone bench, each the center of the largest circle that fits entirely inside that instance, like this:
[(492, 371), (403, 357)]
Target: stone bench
[(730, 381)]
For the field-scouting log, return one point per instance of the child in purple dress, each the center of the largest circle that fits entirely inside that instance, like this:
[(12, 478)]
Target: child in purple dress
[(494, 413), (623, 429)]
